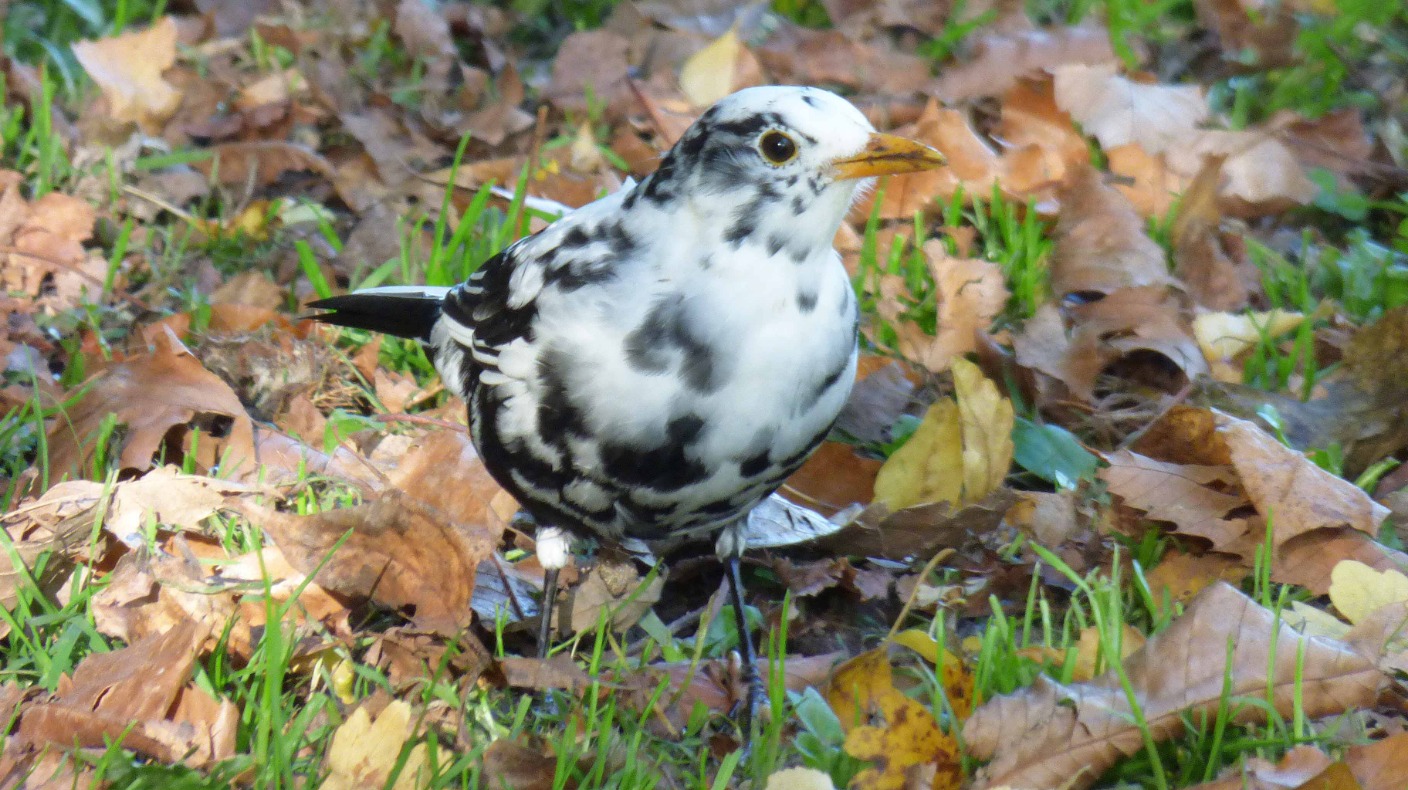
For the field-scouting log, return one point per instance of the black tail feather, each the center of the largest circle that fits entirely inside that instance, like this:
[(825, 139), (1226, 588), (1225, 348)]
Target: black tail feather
[(408, 314)]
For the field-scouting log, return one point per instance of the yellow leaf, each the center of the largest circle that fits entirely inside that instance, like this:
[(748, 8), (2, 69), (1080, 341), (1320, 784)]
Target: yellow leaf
[(1357, 590), (928, 467), (1224, 336), (708, 74), (955, 678), (857, 686), (987, 419), (1089, 660), (363, 752), (1314, 622), (799, 779), (920, 642)]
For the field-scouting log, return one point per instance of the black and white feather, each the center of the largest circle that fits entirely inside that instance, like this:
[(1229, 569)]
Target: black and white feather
[(656, 363)]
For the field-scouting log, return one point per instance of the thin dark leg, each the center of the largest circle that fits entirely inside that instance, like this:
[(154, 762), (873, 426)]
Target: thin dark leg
[(545, 611), (745, 647)]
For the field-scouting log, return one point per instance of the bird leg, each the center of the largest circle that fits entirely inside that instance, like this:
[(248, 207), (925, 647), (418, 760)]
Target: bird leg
[(745, 646), (553, 547), (729, 548)]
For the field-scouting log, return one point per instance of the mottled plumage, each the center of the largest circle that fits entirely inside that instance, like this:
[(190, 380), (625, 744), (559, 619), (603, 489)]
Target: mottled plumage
[(657, 362)]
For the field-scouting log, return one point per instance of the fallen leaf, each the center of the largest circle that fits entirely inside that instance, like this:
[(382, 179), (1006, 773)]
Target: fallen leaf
[(928, 467), (138, 696), (1100, 244), (1200, 259), (1197, 500), (715, 71), (1382, 765), (799, 779), (904, 734), (510, 765), (1223, 337), (364, 753), (1294, 494), (614, 590), (1048, 734), (127, 69), (164, 398), (969, 293), (1119, 111), (1183, 576), (832, 479), (1358, 590), (987, 420), (396, 553), (1000, 57)]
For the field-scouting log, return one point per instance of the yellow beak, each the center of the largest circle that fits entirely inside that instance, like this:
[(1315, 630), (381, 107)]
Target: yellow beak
[(887, 154)]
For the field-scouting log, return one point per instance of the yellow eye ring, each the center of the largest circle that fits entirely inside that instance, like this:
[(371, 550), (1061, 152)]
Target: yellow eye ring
[(777, 148)]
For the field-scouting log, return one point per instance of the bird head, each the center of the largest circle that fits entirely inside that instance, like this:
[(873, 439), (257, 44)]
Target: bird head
[(781, 161)]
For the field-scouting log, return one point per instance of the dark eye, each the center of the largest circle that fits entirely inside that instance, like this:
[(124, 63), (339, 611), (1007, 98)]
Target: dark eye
[(777, 148)]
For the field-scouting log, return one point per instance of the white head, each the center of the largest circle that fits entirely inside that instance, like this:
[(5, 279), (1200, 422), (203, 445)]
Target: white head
[(780, 165)]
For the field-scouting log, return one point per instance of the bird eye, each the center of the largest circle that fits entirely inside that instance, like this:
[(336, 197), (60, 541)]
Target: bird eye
[(777, 148)]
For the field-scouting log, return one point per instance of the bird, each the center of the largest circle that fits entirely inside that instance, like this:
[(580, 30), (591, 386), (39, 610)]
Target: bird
[(656, 363)]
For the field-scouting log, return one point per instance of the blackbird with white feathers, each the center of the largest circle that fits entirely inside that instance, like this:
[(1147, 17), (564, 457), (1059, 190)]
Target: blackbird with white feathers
[(656, 363)]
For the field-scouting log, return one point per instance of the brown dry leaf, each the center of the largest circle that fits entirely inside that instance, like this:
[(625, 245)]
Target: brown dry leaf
[(1052, 735), (1050, 517), (168, 497), (1294, 494), (139, 692), (1001, 57), (510, 765), (1118, 110), (261, 162), (1146, 180), (592, 61), (398, 553), (833, 478), (363, 753), (60, 522), (1298, 766), (1253, 33), (970, 292), (426, 34), (1116, 333), (612, 589), (127, 69), (1032, 122), (1195, 499), (1199, 257), (163, 398), (918, 531), (1184, 575), (443, 470), (971, 165), (1262, 176), (558, 672), (717, 685), (45, 260), (1382, 765), (1100, 243)]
